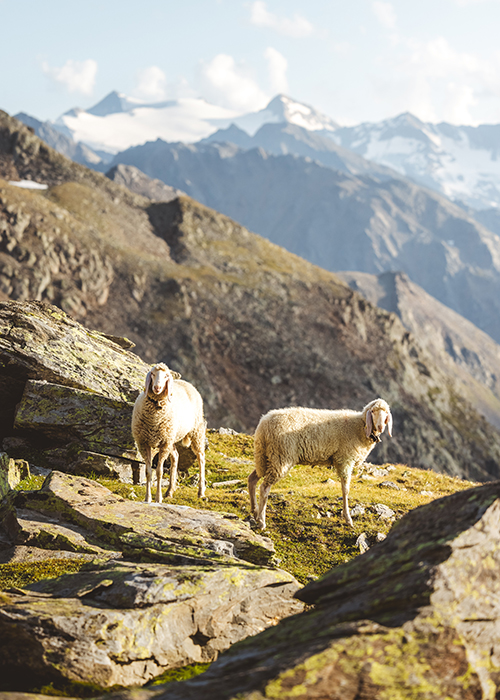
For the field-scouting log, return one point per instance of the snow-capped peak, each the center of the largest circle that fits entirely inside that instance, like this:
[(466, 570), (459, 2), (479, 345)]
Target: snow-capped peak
[(118, 122), (283, 109), (114, 103)]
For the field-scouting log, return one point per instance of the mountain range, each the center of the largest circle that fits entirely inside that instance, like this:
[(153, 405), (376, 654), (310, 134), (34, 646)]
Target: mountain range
[(339, 220), (298, 178), (460, 162), (250, 324), (301, 180)]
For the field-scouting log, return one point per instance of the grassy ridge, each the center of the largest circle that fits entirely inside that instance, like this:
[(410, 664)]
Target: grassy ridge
[(304, 515)]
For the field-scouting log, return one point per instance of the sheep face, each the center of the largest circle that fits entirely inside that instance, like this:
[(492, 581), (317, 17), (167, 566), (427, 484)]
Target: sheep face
[(378, 416), (159, 380)]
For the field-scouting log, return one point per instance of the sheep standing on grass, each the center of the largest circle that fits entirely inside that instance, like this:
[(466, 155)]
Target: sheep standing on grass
[(287, 436), (168, 411)]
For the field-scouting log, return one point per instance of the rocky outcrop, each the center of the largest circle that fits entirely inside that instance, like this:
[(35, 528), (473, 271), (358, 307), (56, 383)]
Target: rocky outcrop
[(136, 181), (165, 586), (68, 394), (417, 616)]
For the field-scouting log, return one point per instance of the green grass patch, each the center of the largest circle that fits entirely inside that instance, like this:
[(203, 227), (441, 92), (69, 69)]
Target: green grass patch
[(21, 574), (304, 513), (179, 674)]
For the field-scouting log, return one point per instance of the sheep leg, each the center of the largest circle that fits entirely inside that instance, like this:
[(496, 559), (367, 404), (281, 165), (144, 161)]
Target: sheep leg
[(198, 447), (252, 487), (201, 485), (146, 453), (345, 480), (159, 475), (261, 514), (174, 461)]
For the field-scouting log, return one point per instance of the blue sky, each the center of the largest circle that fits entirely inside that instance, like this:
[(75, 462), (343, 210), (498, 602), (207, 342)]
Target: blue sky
[(355, 60)]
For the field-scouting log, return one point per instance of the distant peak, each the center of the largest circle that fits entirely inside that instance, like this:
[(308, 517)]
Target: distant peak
[(286, 109), (407, 118), (113, 103)]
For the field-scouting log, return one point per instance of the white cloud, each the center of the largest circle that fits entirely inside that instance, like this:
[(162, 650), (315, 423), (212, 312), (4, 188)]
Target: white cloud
[(384, 11), (296, 27), (230, 85), (436, 82), (75, 76), (151, 84), (277, 66), (463, 3)]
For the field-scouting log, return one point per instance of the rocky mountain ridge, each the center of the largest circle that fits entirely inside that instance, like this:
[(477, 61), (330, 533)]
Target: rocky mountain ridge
[(295, 203), (341, 221), (440, 330), (458, 161)]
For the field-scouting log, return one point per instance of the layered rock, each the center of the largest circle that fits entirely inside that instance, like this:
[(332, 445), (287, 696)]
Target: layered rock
[(166, 586), (417, 616)]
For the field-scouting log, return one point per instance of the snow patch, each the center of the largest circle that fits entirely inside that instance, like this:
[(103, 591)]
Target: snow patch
[(28, 184)]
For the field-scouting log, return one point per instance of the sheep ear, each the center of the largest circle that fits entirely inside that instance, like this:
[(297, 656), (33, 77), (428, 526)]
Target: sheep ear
[(148, 380), (369, 423), (388, 422), (170, 387)]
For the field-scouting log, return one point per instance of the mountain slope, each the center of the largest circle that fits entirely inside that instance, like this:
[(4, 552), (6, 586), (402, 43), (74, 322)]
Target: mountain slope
[(341, 221), (285, 138), (460, 162), (443, 332), (251, 325)]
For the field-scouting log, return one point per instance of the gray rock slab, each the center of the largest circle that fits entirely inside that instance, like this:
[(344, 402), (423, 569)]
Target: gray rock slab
[(162, 586), (79, 514), (416, 616), (11, 473), (39, 341), (100, 423), (126, 623)]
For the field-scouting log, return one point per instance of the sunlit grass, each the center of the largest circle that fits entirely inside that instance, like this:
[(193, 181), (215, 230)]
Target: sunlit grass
[(304, 514)]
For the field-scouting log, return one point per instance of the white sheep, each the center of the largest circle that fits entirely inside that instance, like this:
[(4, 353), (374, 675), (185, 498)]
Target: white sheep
[(168, 411), (287, 436)]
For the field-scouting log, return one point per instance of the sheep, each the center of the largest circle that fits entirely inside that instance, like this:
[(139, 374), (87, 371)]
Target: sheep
[(287, 436), (169, 410)]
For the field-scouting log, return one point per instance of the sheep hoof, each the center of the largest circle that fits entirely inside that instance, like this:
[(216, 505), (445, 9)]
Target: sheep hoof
[(169, 494)]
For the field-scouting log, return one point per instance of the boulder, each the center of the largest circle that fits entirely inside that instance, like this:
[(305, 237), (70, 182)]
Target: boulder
[(165, 586), (11, 473), (68, 393), (417, 616), (39, 341)]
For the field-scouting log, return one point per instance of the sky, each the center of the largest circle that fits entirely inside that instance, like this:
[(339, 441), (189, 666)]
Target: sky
[(354, 60)]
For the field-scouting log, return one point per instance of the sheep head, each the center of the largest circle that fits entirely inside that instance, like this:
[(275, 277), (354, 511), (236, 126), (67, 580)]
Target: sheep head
[(159, 380), (377, 417)]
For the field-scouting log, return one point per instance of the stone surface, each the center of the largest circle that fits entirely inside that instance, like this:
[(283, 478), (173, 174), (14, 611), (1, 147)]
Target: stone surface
[(11, 473), (164, 586), (68, 394), (125, 623), (41, 342), (73, 415), (417, 616)]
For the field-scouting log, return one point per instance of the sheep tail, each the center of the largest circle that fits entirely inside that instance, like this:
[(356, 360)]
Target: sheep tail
[(260, 455)]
